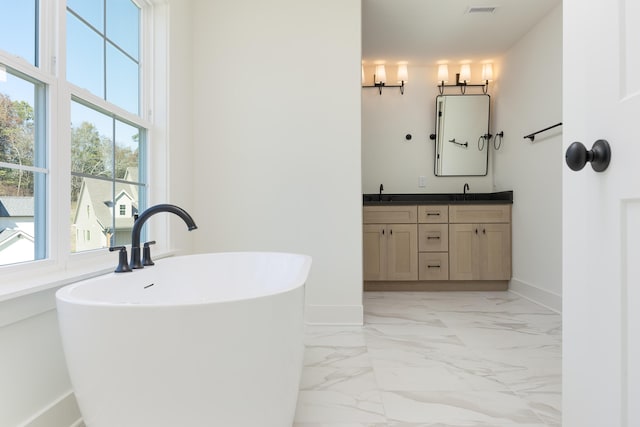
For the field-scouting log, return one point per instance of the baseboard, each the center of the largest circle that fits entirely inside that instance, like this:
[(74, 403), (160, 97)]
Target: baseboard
[(63, 412), (540, 296), (436, 285), (334, 315)]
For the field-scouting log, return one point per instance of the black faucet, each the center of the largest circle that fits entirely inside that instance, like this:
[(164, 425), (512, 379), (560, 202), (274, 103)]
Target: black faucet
[(464, 191), (380, 196), (143, 217)]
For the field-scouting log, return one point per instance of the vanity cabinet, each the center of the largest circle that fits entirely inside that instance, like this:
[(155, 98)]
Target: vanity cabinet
[(437, 247), (480, 242), (390, 239)]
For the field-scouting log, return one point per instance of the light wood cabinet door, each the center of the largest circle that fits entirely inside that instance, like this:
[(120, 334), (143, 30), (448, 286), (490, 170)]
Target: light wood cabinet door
[(390, 252), (495, 251), (374, 252), (480, 251), (464, 263), (402, 252), (400, 214), (480, 214)]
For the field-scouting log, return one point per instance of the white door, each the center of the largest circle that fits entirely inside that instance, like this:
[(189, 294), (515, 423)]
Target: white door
[(601, 215)]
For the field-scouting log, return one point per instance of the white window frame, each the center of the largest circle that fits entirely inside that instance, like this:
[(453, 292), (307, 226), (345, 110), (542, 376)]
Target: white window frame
[(61, 265)]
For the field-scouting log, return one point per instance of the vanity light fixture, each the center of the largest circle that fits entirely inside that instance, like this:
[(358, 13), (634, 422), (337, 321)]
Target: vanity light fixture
[(464, 77), (443, 73), (487, 72), (465, 73), (380, 78)]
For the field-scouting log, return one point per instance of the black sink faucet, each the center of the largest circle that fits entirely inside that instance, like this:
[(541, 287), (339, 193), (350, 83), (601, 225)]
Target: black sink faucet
[(464, 191), (143, 217), (380, 195)]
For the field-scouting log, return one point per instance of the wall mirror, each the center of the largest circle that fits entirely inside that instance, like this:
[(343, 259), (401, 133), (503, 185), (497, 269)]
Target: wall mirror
[(462, 128)]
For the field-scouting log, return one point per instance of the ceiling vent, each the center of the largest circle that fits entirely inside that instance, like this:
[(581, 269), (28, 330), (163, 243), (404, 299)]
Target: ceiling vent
[(481, 9)]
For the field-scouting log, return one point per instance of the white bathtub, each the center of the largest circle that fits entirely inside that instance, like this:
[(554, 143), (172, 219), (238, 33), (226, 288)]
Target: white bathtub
[(198, 341)]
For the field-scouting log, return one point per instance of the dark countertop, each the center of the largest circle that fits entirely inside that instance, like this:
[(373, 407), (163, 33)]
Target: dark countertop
[(501, 197)]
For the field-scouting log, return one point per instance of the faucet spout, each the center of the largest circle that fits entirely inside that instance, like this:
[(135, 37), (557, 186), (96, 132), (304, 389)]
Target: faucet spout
[(143, 217), (464, 191)]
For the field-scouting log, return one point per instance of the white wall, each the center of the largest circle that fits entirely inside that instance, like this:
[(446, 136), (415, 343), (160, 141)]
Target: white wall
[(34, 386), (277, 139), (529, 98), (387, 157), (32, 368)]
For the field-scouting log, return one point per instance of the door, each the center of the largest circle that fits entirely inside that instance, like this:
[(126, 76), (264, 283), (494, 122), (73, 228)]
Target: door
[(601, 216)]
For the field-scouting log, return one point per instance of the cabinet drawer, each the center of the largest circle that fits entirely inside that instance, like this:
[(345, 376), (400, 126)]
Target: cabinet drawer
[(389, 214), (433, 214), (433, 266), (480, 214), (433, 237)]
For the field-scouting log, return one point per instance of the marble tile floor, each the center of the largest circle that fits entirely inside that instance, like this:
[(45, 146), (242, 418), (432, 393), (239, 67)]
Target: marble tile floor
[(435, 359)]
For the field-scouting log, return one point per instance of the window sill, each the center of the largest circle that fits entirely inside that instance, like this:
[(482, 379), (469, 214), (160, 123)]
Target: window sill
[(29, 278)]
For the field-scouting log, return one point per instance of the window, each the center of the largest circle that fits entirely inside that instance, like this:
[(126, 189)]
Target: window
[(102, 49), (106, 158), (107, 149), (23, 168), (19, 17), (98, 90)]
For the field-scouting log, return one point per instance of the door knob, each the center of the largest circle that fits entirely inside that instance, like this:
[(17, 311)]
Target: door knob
[(600, 154)]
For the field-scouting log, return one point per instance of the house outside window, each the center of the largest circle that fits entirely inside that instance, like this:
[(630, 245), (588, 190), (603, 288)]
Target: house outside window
[(99, 91)]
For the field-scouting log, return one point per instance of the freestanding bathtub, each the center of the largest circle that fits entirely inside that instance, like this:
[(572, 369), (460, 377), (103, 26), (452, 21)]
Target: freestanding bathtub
[(194, 341)]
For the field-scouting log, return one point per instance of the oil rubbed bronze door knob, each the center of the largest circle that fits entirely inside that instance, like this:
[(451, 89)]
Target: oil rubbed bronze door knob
[(599, 156)]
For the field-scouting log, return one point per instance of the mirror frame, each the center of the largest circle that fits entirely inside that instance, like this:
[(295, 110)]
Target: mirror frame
[(438, 135)]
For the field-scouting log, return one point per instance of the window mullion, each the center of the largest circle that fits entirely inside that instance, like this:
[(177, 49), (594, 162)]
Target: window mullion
[(60, 135)]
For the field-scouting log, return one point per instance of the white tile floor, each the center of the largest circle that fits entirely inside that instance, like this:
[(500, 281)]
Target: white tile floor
[(435, 359)]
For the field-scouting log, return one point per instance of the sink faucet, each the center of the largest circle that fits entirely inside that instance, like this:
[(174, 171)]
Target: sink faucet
[(464, 191), (380, 195), (143, 217)]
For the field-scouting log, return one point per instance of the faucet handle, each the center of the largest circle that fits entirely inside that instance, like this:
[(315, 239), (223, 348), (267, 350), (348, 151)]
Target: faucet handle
[(123, 264), (146, 253)]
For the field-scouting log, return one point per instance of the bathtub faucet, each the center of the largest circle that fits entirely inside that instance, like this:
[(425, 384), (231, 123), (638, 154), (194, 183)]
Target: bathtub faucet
[(143, 217)]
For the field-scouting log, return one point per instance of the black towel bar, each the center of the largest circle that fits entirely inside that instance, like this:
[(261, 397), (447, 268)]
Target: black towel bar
[(532, 136)]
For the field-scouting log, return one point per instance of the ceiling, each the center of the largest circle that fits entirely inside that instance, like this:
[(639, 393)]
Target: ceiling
[(423, 32)]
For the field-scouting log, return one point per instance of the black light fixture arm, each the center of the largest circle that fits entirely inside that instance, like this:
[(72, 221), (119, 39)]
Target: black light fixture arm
[(380, 85), (463, 85)]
